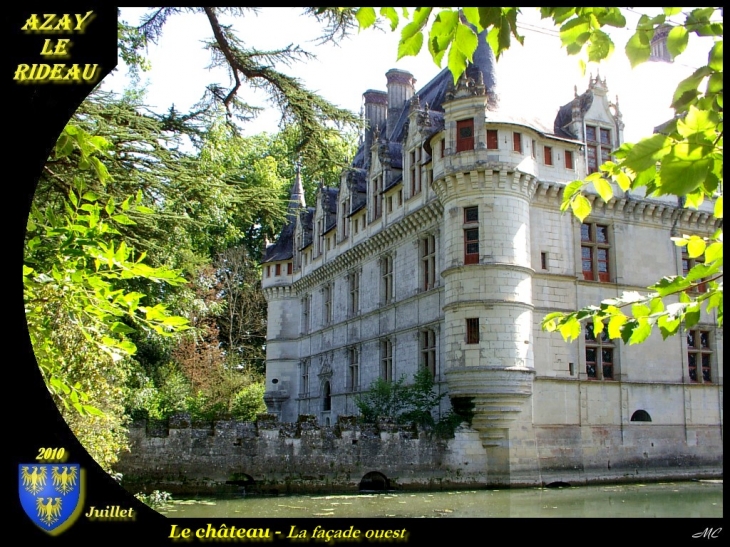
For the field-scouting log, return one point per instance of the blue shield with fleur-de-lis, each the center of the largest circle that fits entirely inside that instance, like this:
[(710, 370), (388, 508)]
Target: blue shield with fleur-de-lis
[(51, 494)]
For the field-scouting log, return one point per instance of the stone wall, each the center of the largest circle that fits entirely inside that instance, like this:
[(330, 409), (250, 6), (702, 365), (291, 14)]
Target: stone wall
[(268, 456)]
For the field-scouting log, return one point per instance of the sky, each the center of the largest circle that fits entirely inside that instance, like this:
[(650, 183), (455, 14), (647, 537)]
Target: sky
[(536, 78)]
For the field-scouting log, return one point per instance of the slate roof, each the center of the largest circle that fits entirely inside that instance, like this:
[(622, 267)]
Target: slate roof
[(431, 98), (565, 115), (283, 248)]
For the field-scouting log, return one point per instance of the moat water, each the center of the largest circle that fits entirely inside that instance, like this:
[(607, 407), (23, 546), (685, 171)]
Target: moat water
[(694, 499)]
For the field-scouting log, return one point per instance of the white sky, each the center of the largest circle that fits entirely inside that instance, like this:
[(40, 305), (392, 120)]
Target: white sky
[(537, 77)]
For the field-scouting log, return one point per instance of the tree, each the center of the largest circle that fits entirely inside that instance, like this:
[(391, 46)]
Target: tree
[(249, 66), (78, 308), (242, 323), (684, 160), (413, 403)]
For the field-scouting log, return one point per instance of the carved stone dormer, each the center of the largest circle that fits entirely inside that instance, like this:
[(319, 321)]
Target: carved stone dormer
[(325, 369), (617, 115), (467, 86)]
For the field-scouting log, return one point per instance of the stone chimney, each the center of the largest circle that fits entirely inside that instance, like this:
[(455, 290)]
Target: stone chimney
[(659, 51), (376, 111), (401, 87)]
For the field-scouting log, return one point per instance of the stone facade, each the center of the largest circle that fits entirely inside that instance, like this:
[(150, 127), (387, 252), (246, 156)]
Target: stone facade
[(444, 246)]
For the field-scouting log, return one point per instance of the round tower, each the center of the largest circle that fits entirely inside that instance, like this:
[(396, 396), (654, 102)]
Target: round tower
[(487, 273), (284, 312)]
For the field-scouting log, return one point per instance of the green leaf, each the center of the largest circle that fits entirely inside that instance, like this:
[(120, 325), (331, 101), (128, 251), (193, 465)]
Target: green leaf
[(718, 207), (623, 180), (686, 91), (581, 207), (598, 325), (490, 17), (715, 57), (465, 41), (366, 17), (668, 326), (100, 169), (677, 40), (456, 62), (640, 310), (604, 189), (442, 34), (121, 328), (550, 321), (694, 199), (123, 219), (472, 15), (683, 171), (391, 15), (715, 301), (670, 284), (64, 146), (613, 17), (570, 329), (713, 251), (559, 15), (175, 321), (671, 11), (600, 47), (574, 33), (696, 246), (571, 189), (692, 315), (638, 48), (647, 152), (411, 45), (640, 332), (615, 324), (697, 122), (656, 306)]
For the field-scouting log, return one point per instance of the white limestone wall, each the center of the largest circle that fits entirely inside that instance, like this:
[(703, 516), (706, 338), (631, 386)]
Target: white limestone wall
[(327, 345)]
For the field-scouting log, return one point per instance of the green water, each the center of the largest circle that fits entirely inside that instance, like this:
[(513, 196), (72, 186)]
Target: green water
[(696, 499)]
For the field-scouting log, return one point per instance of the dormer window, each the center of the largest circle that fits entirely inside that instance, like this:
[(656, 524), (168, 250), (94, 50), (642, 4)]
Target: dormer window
[(598, 146), (415, 172), (377, 197)]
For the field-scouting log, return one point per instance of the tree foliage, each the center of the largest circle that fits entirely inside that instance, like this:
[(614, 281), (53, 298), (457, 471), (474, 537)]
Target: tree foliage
[(79, 309), (258, 69), (401, 402), (684, 160)]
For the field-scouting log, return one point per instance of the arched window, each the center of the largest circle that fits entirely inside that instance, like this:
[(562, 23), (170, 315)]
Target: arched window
[(327, 397), (640, 416)]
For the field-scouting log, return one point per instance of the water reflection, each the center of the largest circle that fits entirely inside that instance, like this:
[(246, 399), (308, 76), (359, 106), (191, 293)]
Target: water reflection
[(670, 499)]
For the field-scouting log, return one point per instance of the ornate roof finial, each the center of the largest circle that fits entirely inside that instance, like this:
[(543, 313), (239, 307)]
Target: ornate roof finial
[(296, 196)]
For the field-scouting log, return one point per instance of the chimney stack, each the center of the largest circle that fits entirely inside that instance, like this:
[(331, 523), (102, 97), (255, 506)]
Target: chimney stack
[(401, 87), (376, 111)]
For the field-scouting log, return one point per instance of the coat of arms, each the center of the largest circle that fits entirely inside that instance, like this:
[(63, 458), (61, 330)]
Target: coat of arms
[(51, 494)]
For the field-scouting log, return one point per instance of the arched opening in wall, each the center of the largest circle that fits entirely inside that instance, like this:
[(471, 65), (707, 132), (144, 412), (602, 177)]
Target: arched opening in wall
[(558, 484), (326, 397), (640, 416), (374, 480), (241, 479)]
